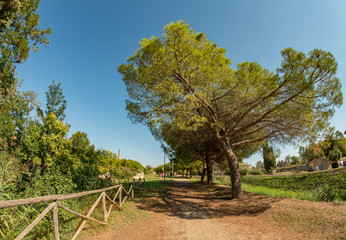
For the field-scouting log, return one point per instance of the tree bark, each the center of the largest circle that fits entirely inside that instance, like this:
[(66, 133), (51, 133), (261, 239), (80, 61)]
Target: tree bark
[(235, 174), (203, 174), (209, 171), (233, 164)]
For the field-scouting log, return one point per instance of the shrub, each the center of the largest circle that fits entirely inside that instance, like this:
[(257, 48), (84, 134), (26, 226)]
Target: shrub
[(331, 183), (327, 193), (334, 156), (335, 164), (243, 171), (256, 172)]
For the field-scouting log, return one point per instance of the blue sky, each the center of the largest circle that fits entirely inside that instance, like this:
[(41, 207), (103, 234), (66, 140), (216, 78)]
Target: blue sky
[(91, 39)]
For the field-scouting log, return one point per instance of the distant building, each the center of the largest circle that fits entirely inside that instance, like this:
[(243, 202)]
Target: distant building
[(245, 165), (318, 164)]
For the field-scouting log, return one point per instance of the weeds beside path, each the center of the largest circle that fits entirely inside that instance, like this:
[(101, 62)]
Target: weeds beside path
[(190, 210)]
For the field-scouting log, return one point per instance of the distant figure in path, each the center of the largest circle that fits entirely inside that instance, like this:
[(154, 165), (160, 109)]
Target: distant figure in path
[(160, 175)]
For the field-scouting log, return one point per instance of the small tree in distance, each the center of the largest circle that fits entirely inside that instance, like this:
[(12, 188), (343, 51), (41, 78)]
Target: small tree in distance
[(334, 156), (268, 158), (259, 165), (56, 102), (295, 160)]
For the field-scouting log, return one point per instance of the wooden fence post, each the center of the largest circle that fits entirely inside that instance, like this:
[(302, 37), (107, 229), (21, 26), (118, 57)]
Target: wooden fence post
[(104, 206), (56, 221), (120, 193)]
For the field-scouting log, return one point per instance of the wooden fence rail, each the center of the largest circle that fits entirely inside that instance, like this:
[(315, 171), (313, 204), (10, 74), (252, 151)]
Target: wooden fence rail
[(55, 205)]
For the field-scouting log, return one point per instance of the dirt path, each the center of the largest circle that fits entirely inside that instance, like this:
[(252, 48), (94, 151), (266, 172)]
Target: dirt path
[(193, 211)]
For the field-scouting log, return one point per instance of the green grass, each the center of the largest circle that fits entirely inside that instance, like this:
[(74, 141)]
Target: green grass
[(154, 187), (281, 193), (197, 178)]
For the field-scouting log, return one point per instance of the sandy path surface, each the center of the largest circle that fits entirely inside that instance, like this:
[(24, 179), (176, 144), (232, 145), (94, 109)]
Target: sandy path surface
[(193, 211)]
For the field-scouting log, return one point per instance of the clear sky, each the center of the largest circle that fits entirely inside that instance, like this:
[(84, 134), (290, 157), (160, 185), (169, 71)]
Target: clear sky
[(91, 39)]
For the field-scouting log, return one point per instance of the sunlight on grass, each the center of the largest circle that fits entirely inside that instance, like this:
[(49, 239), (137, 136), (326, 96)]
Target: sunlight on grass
[(154, 187), (274, 192)]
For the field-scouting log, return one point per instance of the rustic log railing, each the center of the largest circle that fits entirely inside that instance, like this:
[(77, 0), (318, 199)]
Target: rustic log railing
[(55, 205)]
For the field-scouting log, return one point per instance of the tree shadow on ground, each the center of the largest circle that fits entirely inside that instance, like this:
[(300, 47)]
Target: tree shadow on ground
[(196, 201)]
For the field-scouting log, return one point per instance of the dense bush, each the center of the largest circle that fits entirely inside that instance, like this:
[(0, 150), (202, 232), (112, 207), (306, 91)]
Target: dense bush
[(332, 183), (329, 193), (256, 172), (244, 171)]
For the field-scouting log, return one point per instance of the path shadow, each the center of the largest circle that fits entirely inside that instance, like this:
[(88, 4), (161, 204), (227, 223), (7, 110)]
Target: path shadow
[(196, 201)]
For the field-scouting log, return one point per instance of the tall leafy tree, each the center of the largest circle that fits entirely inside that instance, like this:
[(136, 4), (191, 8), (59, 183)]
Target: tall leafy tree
[(185, 79), (47, 147), (56, 102), (19, 33), (80, 144)]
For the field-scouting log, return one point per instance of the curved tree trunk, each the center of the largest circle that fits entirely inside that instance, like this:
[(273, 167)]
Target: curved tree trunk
[(233, 164), (235, 174)]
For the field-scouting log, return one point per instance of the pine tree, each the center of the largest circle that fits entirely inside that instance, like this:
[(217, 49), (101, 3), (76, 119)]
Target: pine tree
[(268, 158)]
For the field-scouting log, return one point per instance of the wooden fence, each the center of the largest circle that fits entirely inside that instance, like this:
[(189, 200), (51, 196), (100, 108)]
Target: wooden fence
[(119, 189)]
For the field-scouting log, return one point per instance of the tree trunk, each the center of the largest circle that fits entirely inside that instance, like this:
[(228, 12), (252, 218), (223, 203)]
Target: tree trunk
[(190, 173), (233, 167), (209, 171), (235, 174), (203, 174)]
